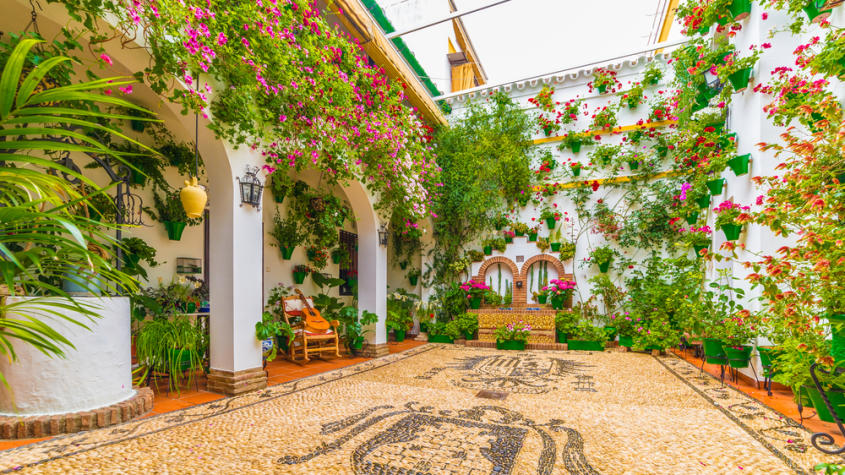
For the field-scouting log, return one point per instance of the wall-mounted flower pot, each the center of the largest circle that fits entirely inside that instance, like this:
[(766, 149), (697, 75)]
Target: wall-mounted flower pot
[(701, 101), (603, 266), (532, 237), (299, 277), (739, 164), (399, 335), (739, 80), (634, 165), (311, 254), (602, 88), (662, 151), (352, 282), (508, 240), (413, 280), (557, 302), (561, 337), (626, 341), (542, 298), (703, 202), (279, 197), (513, 345), (547, 131), (555, 246), (488, 250), (440, 339), (576, 171), (692, 218), (740, 9), (815, 11), (550, 223), (174, 229), (713, 352), (585, 345), (715, 186), (335, 258), (732, 231), (519, 233), (475, 303), (403, 265), (698, 249), (738, 358), (575, 147), (287, 252)]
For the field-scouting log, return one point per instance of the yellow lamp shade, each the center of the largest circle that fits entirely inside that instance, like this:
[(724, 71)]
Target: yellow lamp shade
[(193, 198)]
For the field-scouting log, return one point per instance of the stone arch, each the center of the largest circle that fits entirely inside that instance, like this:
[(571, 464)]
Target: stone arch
[(519, 296)]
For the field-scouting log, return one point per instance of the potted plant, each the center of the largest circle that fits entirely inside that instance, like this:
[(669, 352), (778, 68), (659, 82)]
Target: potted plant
[(487, 246), (624, 324), (602, 256), (413, 276), (173, 346), (739, 164), (509, 235), (715, 186), (543, 244), (655, 334), (279, 184), (575, 168), (737, 71), (287, 234), (271, 331), (300, 271), (532, 233), (475, 255), (574, 141), (500, 221), (569, 112), (519, 229), (512, 336), (603, 79), (587, 337), (729, 217), (605, 154), (474, 292), (540, 297), (555, 239), (353, 326), (565, 323), (605, 118), (467, 324), (567, 251), (168, 210), (340, 255), (653, 74), (633, 97), (439, 332), (136, 250), (697, 238), (399, 321), (736, 331), (550, 216), (559, 291)]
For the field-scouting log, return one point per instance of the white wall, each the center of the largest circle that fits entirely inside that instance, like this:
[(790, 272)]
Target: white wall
[(97, 373)]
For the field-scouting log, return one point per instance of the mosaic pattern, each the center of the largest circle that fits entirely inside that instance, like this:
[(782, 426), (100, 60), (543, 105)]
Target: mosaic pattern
[(542, 324), (609, 412)]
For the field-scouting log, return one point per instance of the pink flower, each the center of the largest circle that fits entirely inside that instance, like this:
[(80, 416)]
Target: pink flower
[(126, 90), (106, 59)]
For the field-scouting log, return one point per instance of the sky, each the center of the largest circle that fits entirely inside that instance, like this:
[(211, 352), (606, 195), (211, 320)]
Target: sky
[(524, 38)]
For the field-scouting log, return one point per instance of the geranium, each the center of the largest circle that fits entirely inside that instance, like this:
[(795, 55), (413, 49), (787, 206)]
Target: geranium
[(729, 212), (518, 331), (474, 289), (603, 80), (559, 288)]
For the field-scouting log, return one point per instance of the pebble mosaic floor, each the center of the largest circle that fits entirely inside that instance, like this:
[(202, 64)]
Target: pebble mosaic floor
[(451, 409)]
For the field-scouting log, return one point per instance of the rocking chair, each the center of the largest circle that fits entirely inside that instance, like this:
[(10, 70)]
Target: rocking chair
[(306, 341)]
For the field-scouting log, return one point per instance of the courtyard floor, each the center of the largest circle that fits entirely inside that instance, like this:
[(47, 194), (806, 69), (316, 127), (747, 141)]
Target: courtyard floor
[(452, 409)]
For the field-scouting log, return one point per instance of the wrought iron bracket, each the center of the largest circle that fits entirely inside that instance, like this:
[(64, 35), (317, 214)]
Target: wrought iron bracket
[(822, 440)]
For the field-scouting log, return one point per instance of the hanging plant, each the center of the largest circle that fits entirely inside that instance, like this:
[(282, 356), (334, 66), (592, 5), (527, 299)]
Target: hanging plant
[(633, 97), (604, 80), (604, 118), (570, 111), (287, 234), (653, 74)]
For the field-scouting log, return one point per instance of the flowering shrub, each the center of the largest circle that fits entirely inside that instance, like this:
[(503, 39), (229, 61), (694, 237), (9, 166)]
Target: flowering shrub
[(729, 212), (559, 288), (738, 329), (474, 289), (570, 111), (518, 227), (567, 251), (655, 333), (518, 331)]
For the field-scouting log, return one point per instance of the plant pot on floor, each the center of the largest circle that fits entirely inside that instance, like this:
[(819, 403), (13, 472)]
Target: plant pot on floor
[(837, 343), (399, 335), (468, 335), (515, 345), (299, 277), (585, 345), (440, 339), (836, 398), (610, 332), (739, 164), (739, 80), (542, 298), (423, 327), (475, 303), (713, 352), (732, 231), (357, 344), (737, 357), (555, 246), (715, 186), (561, 337), (174, 229), (626, 341), (557, 302), (287, 252)]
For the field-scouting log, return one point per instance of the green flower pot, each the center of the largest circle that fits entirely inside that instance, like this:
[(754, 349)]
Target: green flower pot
[(468, 335), (508, 240), (423, 327), (403, 265), (713, 352), (413, 280), (739, 164), (180, 358), (542, 298), (519, 233), (837, 343), (603, 266), (740, 9), (440, 339), (550, 223), (634, 165), (611, 333), (357, 344), (602, 88), (626, 341), (335, 258), (352, 282), (399, 335), (767, 359), (557, 302), (311, 254), (137, 178), (174, 230), (698, 249), (475, 303), (555, 246), (561, 337), (532, 237), (299, 277), (814, 10), (488, 250), (715, 186), (732, 231), (510, 345), (738, 358), (584, 345), (287, 252), (739, 80), (575, 147), (725, 140), (576, 171), (692, 218), (836, 398), (703, 202)]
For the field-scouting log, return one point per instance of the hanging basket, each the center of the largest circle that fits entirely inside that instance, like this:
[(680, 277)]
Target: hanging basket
[(740, 9), (739, 80), (604, 266), (703, 202), (174, 230), (732, 231), (815, 11), (555, 246), (739, 164), (692, 218), (576, 171), (550, 223), (715, 186), (287, 252)]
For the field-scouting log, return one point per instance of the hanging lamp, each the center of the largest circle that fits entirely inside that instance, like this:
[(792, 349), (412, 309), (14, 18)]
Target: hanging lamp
[(192, 195)]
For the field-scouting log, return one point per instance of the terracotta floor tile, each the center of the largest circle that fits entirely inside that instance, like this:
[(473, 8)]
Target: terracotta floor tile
[(11, 444)]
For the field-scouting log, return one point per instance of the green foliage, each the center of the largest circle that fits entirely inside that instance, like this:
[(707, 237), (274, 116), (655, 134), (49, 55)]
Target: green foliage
[(519, 331), (286, 232), (486, 163), (657, 332), (136, 250), (467, 323), (174, 346), (271, 327), (602, 254), (586, 331), (566, 321), (604, 154), (611, 294)]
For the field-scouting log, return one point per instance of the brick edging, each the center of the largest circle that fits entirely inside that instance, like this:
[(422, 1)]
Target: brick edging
[(529, 346), (15, 427)]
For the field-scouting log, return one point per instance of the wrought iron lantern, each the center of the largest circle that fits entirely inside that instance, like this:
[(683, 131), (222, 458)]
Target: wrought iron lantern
[(382, 235), (712, 80), (251, 187)]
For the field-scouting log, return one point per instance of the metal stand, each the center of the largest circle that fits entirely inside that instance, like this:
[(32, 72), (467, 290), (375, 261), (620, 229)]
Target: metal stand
[(822, 440)]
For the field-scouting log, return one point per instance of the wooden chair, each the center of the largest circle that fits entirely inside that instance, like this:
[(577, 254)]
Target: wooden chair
[(306, 342)]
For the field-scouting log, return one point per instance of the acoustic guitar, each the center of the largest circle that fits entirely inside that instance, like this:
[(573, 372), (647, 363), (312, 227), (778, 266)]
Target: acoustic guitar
[(314, 322)]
